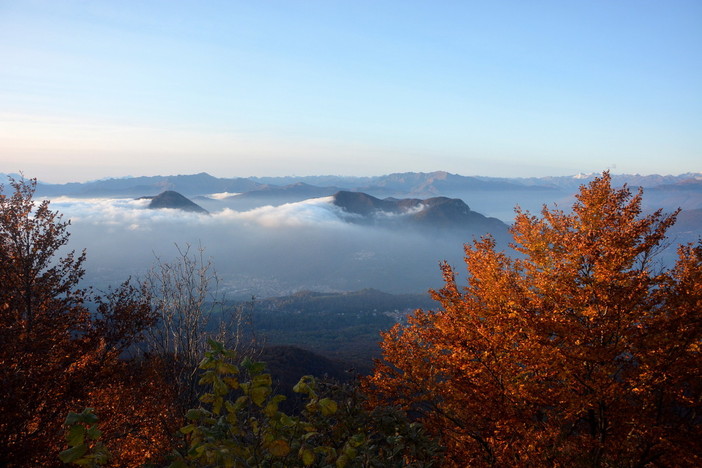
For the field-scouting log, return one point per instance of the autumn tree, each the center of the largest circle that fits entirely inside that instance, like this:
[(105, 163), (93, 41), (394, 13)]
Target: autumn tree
[(56, 354), (579, 350)]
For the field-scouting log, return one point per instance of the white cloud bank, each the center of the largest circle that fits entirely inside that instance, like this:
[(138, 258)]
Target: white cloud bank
[(263, 251)]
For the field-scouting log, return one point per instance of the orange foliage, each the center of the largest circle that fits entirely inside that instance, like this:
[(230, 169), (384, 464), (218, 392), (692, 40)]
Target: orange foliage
[(55, 356), (137, 412), (578, 352)]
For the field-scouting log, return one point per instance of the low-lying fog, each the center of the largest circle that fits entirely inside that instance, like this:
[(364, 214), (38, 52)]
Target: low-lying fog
[(273, 250), (264, 251)]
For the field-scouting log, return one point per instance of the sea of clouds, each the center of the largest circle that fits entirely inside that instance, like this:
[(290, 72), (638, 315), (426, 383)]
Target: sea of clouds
[(265, 251)]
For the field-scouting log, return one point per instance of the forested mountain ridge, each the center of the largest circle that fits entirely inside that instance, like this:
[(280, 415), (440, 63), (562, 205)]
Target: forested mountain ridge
[(343, 326), (432, 213)]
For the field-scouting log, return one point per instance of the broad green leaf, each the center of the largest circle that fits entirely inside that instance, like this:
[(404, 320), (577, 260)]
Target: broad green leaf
[(76, 435), (305, 385), (259, 394), (217, 405), (207, 363), (357, 440), (215, 345), (94, 433), (233, 382), (272, 407), (241, 402), (73, 454), (328, 406), (262, 380), (86, 416), (253, 367), (227, 368), (207, 378), (342, 461), (279, 448), (101, 455), (187, 429), (287, 421), (307, 456), (312, 406)]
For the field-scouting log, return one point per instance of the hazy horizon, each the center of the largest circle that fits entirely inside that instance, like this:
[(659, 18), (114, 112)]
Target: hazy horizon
[(68, 179)]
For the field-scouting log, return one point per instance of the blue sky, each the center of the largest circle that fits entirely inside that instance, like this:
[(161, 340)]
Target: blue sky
[(92, 89)]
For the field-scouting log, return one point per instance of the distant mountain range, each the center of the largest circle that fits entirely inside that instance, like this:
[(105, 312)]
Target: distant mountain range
[(491, 196), (418, 184)]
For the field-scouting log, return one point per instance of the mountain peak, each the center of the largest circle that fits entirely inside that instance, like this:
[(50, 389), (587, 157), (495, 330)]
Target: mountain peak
[(174, 200)]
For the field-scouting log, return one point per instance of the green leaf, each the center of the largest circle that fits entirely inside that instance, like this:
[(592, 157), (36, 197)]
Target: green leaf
[(259, 394), (220, 388), (232, 418), (328, 406), (342, 461), (287, 421), (194, 414), (187, 429), (233, 382), (262, 380), (207, 378), (357, 440), (72, 418), (215, 345), (253, 367), (350, 452), (312, 406), (307, 456), (73, 454), (101, 455), (207, 398), (217, 405), (271, 409), (94, 433), (76, 435), (207, 363), (227, 368), (86, 416), (279, 448), (305, 385), (241, 402)]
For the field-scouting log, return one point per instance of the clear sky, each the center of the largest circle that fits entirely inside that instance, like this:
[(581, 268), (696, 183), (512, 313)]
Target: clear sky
[(92, 89)]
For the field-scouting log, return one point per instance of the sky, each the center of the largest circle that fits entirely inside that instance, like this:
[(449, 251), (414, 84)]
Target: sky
[(92, 89)]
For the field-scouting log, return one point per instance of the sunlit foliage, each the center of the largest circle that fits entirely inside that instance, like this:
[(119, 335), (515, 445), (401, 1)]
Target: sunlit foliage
[(580, 351)]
